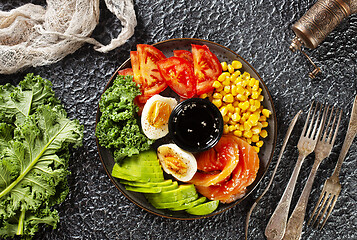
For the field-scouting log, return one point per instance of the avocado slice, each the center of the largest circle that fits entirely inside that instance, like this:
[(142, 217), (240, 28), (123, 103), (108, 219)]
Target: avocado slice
[(204, 208), (147, 184), (137, 169), (190, 204), (138, 176), (174, 185), (182, 192), (170, 205)]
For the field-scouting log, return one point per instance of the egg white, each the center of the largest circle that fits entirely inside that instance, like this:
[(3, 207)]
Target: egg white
[(186, 157), (149, 130)]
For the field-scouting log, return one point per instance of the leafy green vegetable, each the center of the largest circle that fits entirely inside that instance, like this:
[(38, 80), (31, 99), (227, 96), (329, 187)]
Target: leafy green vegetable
[(35, 135), (118, 129)]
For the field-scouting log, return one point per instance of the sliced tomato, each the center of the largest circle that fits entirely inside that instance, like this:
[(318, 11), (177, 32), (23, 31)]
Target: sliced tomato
[(126, 72), (206, 66), (184, 54), (146, 73), (217, 163), (244, 174), (179, 75)]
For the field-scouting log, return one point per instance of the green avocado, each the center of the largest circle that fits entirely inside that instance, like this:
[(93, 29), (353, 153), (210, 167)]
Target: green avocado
[(147, 184), (138, 169), (170, 205), (174, 185), (204, 208), (139, 177), (189, 204), (182, 192)]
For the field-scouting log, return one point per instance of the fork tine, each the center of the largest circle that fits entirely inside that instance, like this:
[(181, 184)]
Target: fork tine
[(328, 123), (337, 126), (331, 208), (323, 197), (322, 122), (312, 120), (307, 119), (330, 197)]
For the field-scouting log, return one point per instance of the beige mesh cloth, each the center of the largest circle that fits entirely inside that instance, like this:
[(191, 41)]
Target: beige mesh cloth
[(33, 35)]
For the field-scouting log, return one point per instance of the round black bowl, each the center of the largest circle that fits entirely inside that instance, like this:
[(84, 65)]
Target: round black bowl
[(196, 125)]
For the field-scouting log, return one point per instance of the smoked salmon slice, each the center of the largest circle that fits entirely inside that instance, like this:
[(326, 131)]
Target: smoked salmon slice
[(243, 175), (217, 163)]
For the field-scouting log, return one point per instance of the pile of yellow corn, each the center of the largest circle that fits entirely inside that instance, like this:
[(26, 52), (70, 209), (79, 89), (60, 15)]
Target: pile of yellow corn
[(238, 97)]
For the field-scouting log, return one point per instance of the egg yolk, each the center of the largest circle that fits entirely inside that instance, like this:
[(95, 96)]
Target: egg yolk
[(175, 165), (159, 114)]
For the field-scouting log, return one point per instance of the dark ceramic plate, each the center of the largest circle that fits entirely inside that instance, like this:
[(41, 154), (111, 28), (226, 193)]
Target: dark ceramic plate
[(265, 154)]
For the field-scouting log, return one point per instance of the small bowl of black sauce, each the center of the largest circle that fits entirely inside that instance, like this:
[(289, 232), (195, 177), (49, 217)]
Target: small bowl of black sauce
[(196, 125)]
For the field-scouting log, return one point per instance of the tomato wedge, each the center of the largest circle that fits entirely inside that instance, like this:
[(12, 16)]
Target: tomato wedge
[(145, 70), (206, 66), (244, 174), (184, 54), (179, 75), (126, 72)]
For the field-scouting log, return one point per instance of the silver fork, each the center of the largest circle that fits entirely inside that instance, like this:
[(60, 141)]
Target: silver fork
[(332, 186), (276, 226), (322, 150)]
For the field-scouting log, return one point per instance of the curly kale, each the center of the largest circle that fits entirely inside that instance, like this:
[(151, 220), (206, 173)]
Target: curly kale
[(118, 129), (35, 135)]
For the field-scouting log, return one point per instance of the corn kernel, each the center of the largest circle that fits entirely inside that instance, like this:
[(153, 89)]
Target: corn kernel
[(224, 66), (233, 122), (242, 97), (260, 143), (255, 87), (264, 124), (234, 90), (216, 84), (247, 126), (237, 64), (257, 104), (251, 82), (260, 98), (223, 93), (224, 111), (255, 138), (217, 102), (226, 82), (227, 89), (256, 130), (257, 149), (255, 95), (229, 114), (230, 68), (223, 76), (263, 118), (232, 128), (264, 133), (248, 140), (236, 109), (225, 129), (247, 134), (236, 117), (226, 119), (241, 127), (228, 98), (235, 74), (238, 133), (266, 112), (253, 119), (230, 108)]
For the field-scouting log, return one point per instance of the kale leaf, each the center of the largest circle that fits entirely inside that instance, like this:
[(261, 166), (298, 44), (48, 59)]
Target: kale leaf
[(118, 128), (35, 134)]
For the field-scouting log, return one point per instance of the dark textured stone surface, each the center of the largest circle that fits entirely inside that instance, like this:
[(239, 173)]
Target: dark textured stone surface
[(260, 32)]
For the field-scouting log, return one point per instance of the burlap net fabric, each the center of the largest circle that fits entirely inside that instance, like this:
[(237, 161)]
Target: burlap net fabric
[(32, 35)]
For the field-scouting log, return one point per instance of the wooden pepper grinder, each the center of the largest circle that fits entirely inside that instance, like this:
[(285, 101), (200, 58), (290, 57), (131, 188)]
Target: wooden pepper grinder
[(312, 28)]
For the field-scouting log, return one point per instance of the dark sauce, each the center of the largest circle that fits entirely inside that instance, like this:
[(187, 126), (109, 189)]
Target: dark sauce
[(196, 125)]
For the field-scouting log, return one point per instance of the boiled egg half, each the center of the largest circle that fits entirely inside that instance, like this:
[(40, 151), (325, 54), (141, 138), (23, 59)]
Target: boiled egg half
[(177, 162), (155, 116)]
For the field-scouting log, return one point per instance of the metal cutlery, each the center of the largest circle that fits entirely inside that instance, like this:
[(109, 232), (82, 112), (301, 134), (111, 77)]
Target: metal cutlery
[(322, 150), (332, 186), (276, 226)]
